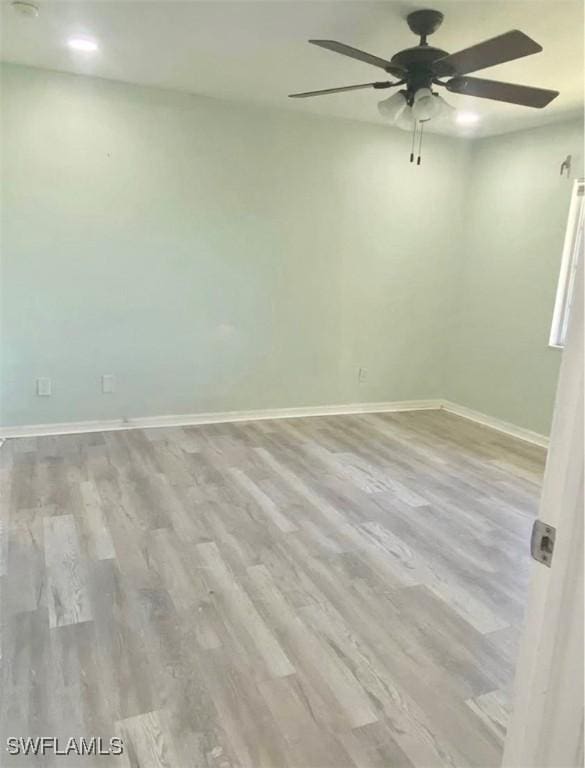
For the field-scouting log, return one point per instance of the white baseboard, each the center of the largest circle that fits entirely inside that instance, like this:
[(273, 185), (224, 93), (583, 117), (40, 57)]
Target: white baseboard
[(193, 419), (501, 426)]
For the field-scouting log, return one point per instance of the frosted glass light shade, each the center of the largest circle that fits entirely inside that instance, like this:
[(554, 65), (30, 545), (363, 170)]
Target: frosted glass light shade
[(430, 106), (405, 119), (393, 106), (424, 106)]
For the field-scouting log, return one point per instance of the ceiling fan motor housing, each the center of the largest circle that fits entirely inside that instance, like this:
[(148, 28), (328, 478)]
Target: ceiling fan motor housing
[(417, 64)]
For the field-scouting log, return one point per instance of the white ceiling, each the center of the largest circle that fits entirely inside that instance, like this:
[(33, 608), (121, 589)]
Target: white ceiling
[(257, 51)]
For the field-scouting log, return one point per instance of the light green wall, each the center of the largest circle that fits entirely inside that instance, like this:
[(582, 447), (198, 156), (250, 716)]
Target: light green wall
[(499, 362), (215, 256)]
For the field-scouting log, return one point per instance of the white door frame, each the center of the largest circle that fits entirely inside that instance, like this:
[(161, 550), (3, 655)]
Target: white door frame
[(546, 727)]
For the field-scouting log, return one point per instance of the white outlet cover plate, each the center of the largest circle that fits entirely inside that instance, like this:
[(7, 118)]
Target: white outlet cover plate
[(44, 386), (108, 383)]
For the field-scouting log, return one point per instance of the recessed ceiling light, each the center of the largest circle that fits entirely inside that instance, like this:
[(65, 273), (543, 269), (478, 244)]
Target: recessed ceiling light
[(25, 9), (467, 118), (82, 44)]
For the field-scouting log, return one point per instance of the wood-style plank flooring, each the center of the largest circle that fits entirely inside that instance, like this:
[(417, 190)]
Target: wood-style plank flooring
[(307, 593)]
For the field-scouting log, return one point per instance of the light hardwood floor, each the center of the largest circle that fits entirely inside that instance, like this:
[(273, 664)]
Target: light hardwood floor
[(335, 591)]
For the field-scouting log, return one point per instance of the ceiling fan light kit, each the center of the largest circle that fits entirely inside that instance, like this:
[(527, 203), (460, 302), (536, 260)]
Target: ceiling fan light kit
[(422, 67)]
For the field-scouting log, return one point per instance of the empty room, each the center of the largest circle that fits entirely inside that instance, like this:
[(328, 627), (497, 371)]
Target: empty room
[(291, 384)]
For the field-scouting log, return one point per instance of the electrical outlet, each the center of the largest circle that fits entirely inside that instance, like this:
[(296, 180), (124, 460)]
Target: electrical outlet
[(108, 383), (362, 375), (44, 386)]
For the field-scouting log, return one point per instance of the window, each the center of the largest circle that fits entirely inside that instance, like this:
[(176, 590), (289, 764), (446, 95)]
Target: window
[(572, 247)]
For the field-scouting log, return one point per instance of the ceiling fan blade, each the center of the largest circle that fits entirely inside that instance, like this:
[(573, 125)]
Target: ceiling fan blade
[(494, 89), (355, 53), (338, 90), (507, 47)]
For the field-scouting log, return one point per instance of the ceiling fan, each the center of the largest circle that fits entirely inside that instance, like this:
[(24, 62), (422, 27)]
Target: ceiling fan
[(420, 68)]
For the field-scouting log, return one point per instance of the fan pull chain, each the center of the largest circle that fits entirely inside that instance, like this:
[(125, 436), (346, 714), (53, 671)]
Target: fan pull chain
[(420, 143), (413, 142)]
